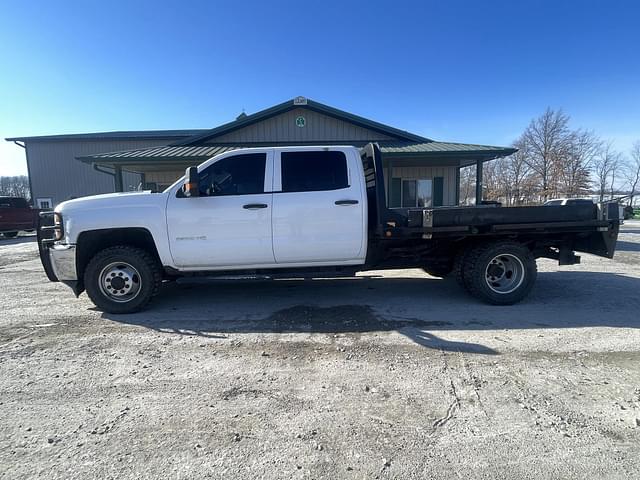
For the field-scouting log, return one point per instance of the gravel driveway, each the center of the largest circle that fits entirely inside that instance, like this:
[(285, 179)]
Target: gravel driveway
[(389, 375)]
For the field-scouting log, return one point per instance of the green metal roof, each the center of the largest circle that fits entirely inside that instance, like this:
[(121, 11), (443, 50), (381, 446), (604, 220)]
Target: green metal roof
[(405, 149), (203, 152), (159, 153)]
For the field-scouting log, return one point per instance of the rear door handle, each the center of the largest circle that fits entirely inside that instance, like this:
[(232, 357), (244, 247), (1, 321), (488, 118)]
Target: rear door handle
[(346, 202), (254, 206)]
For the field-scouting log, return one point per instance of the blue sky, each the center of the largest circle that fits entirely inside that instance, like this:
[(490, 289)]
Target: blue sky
[(467, 71)]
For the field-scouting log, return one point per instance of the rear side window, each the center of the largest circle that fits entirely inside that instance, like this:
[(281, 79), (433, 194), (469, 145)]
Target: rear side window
[(313, 171), (236, 175)]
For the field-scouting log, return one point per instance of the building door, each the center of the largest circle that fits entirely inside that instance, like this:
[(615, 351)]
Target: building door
[(229, 224), (318, 216)]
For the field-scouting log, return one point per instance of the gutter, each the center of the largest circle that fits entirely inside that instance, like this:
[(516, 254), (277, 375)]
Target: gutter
[(96, 167)]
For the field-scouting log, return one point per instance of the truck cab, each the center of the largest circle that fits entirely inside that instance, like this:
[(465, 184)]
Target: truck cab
[(271, 208)]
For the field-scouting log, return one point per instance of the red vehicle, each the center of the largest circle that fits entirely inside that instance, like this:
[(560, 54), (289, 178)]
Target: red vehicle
[(16, 215)]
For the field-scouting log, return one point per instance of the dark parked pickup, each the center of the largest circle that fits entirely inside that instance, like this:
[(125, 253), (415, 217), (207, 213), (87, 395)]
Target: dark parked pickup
[(16, 215)]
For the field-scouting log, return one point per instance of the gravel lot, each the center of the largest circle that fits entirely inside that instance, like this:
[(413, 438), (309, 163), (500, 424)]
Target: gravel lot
[(393, 375)]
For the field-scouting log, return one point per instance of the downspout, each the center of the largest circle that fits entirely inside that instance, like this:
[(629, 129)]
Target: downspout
[(96, 167), (116, 174), (118, 179)]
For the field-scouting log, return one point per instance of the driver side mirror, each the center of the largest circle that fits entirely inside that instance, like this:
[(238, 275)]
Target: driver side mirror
[(191, 179)]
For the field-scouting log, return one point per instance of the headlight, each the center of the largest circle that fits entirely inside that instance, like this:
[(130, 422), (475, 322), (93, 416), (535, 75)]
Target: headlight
[(57, 222)]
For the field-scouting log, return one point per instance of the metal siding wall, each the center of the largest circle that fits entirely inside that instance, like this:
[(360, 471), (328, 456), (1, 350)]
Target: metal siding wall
[(448, 173), (164, 177), (318, 128), (56, 174)]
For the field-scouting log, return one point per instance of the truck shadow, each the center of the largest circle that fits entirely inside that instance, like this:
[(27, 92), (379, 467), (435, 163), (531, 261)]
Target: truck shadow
[(414, 307)]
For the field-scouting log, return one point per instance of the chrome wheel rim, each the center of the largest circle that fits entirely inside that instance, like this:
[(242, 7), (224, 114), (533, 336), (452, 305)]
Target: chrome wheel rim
[(120, 282), (504, 273)]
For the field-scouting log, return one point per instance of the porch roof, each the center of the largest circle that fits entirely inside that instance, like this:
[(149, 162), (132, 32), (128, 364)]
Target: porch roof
[(152, 158)]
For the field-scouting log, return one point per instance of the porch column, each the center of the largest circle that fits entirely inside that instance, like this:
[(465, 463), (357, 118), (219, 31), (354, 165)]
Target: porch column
[(118, 179), (478, 182)]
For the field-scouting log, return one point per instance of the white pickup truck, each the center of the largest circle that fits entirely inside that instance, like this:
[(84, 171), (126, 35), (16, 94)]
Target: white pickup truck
[(302, 211)]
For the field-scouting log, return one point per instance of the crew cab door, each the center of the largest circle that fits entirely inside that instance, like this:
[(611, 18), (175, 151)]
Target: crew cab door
[(229, 224), (318, 207)]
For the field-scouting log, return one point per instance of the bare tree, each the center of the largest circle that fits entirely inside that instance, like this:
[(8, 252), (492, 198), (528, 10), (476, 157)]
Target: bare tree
[(491, 180), (605, 164), (467, 185), (546, 140), (632, 170), (617, 164), (518, 174), (17, 186), (573, 169)]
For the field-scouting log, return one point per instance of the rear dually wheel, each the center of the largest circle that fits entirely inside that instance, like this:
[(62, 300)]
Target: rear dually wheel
[(501, 273)]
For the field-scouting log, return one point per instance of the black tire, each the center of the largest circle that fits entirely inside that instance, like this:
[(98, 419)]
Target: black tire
[(501, 273), (134, 262), (10, 234), (459, 264)]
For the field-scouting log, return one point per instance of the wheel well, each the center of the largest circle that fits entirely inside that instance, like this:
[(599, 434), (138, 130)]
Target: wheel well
[(91, 242)]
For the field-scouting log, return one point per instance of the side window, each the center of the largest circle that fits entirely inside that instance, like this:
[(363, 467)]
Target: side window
[(236, 175), (313, 171)]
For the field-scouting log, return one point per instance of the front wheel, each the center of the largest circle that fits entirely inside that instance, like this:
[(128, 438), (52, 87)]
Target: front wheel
[(500, 273), (122, 279)]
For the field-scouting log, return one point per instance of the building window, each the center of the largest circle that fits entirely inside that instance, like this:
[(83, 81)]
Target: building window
[(411, 193), (313, 171), (44, 203)]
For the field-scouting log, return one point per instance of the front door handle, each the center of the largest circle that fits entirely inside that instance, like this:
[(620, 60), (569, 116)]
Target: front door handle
[(346, 202), (254, 206)]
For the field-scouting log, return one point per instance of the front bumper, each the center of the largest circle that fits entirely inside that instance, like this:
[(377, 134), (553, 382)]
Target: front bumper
[(63, 262), (58, 260)]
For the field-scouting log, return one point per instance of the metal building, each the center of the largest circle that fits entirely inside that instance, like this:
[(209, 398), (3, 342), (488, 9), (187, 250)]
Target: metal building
[(56, 175), (418, 171)]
